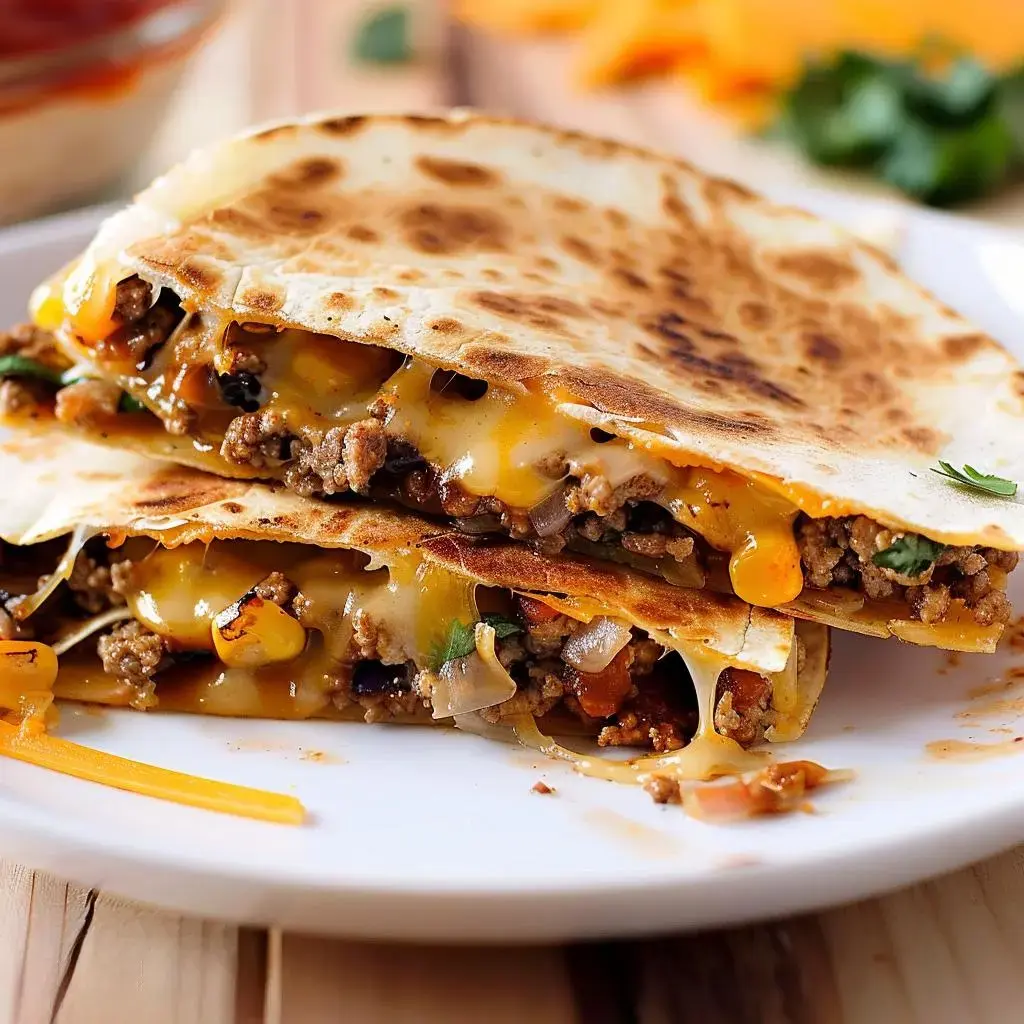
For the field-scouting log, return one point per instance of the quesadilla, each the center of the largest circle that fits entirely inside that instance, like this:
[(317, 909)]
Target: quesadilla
[(148, 585), (573, 343)]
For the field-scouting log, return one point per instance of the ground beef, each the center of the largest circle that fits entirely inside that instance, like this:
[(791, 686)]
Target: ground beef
[(595, 493), (839, 552), (536, 695), (345, 458), (87, 403), (132, 300), (133, 654), (742, 708), (382, 690), (21, 397), (663, 790), (92, 585), (142, 337), (276, 588), (258, 439)]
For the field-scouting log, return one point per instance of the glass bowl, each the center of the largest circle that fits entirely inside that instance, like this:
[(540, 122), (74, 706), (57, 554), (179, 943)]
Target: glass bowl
[(84, 85)]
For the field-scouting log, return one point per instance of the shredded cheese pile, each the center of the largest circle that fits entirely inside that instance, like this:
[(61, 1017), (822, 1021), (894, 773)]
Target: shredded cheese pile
[(28, 671), (740, 53)]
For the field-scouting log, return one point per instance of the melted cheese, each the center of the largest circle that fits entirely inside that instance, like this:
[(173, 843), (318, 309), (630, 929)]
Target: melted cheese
[(707, 755), (406, 609), (177, 593), (500, 444), (497, 444)]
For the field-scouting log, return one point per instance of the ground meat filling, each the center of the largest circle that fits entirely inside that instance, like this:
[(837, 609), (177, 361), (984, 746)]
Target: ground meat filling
[(134, 654), (145, 324), (21, 396), (840, 552), (639, 699)]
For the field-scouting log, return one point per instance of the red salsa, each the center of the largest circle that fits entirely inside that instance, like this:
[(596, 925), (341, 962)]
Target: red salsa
[(30, 27)]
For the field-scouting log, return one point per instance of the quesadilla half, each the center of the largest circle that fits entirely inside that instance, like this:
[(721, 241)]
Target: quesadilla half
[(149, 585), (566, 341)]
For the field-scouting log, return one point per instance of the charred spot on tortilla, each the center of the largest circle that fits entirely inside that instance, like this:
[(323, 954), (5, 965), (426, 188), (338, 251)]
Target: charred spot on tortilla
[(309, 172), (821, 269), (697, 324), (444, 229), (457, 173)]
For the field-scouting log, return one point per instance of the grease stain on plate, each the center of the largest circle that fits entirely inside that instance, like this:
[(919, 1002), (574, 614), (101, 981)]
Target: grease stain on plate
[(960, 750), (640, 837)]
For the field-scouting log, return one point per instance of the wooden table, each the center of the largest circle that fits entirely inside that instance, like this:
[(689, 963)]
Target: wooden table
[(950, 950)]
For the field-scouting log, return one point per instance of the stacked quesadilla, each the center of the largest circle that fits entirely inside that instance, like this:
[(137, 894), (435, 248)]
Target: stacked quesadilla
[(460, 418)]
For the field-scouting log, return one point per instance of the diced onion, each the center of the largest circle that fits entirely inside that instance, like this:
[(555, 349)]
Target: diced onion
[(593, 648), (25, 606), (551, 515), (477, 681), (85, 629)]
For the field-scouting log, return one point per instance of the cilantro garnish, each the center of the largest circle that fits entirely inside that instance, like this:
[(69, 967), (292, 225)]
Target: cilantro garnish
[(910, 555), (970, 477), (21, 366), (460, 641), (128, 403), (383, 38), (943, 136)]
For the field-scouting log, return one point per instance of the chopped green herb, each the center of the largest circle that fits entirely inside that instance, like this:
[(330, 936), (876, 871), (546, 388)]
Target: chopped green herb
[(461, 642), (910, 555), (970, 477), (942, 138), (502, 626), (457, 644), (383, 38), (128, 403), (20, 366)]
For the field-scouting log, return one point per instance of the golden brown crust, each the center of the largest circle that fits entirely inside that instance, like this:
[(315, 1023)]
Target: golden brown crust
[(623, 281)]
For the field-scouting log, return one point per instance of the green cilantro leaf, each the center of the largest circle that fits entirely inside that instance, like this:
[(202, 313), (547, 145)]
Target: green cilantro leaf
[(503, 627), (128, 403), (383, 38), (458, 643), (460, 640), (942, 137), (909, 556), (970, 477), (21, 366)]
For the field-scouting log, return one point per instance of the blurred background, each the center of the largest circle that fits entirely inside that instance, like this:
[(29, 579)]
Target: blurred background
[(922, 100)]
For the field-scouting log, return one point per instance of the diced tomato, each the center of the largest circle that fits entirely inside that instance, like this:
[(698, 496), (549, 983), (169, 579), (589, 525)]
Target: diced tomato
[(601, 693), (535, 612), (748, 689)]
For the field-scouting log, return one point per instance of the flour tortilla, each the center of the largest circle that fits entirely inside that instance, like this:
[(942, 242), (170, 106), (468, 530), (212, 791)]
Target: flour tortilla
[(658, 303), (62, 483)]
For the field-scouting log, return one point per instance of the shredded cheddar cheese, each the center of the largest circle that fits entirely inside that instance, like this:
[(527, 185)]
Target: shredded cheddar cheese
[(740, 52), (147, 780)]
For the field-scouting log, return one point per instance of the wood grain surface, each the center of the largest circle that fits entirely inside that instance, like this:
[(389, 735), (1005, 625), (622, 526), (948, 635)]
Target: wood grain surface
[(950, 951)]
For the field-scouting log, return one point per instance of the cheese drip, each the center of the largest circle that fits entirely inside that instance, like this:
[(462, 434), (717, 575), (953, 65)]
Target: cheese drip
[(707, 755), (179, 592), (511, 445)]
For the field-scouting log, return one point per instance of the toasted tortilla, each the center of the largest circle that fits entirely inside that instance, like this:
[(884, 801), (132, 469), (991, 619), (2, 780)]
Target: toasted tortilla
[(658, 303), (63, 484)]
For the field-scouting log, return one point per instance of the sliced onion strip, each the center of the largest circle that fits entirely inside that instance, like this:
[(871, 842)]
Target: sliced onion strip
[(552, 515), (477, 681), (64, 643), (592, 648)]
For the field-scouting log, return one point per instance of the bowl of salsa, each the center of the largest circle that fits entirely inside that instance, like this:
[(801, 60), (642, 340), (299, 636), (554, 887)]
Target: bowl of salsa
[(84, 85)]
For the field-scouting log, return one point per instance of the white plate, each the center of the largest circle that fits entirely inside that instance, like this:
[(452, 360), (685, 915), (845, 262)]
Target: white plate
[(436, 835)]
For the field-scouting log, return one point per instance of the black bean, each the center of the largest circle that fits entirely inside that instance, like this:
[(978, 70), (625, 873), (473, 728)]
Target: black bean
[(241, 389), (373, 678)]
